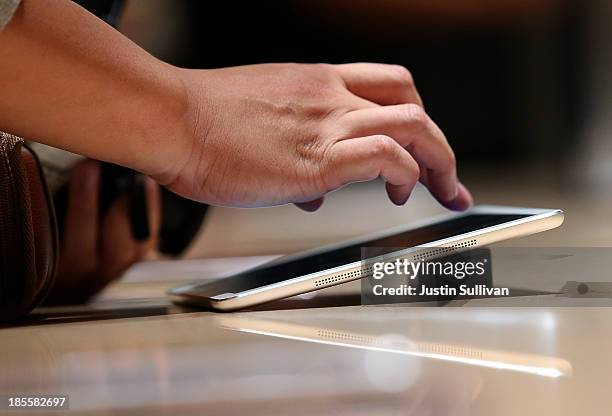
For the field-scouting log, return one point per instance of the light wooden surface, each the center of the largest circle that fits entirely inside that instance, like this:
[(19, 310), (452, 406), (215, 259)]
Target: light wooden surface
[(204, 363), (131, 352)]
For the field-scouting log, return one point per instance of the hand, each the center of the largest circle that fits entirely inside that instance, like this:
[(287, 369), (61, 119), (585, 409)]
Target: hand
[(95, 252), (246, 136), (278, 133)]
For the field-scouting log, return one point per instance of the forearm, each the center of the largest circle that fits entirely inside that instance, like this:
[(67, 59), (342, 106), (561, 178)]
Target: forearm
[(73, 82)]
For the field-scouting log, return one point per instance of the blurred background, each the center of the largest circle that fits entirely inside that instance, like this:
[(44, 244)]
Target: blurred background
[(520, 87)]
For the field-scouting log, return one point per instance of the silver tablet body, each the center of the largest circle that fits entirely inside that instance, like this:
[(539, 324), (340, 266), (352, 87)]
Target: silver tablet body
[(339, 263)]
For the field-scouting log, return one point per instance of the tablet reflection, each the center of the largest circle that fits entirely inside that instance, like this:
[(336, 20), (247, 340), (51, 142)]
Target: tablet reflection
[(544, 366)]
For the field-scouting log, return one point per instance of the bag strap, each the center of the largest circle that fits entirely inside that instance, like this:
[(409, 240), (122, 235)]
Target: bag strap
[(22, 286)]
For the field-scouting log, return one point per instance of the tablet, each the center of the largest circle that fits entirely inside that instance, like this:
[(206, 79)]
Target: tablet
[(328, 266)]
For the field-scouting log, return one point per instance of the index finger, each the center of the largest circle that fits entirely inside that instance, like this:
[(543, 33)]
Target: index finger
[(412, 128), (380, 83)]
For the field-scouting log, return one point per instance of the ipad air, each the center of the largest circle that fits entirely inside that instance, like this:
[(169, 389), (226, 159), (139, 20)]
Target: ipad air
[(327, 266)]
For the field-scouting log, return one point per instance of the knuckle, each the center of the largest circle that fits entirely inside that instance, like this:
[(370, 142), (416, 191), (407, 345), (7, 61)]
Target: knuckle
[(416, 114), (450, 159), (383, 147), (323, 68), (325, 74), (404, 76)]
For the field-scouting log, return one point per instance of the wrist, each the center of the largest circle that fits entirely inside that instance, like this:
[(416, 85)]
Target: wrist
[(188, 124), (166, 132)]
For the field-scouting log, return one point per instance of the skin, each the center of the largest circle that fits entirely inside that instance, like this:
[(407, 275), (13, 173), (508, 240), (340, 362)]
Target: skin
[(306, 130), (247, 136)]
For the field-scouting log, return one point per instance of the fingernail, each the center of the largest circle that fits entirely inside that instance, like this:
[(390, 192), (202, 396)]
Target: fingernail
[(456, 205), (402, 201), (462, 201), (452, 191)]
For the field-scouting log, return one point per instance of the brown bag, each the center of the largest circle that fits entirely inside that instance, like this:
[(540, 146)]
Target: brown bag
[(28, 231)]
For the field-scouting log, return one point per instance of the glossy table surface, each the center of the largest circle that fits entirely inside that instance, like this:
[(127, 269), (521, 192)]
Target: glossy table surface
[(287, 359)]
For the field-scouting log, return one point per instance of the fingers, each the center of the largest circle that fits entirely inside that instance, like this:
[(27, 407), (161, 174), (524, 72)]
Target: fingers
[(408, 124), (366, 158), (461, 202), (80, 234), (380, 83), (412, 128)]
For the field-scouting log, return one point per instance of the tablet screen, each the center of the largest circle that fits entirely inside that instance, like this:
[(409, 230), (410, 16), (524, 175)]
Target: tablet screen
[(279, 270)]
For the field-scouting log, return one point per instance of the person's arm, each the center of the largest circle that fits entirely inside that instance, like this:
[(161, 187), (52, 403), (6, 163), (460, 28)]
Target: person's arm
[(71, 81), (246, 136)]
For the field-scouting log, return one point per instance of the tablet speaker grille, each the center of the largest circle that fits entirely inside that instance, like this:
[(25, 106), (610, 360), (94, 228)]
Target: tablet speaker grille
[(444, 250), (331, 280), (355, 274)]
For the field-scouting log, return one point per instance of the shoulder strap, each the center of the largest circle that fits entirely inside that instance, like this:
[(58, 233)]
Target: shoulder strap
[(22, 286)]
